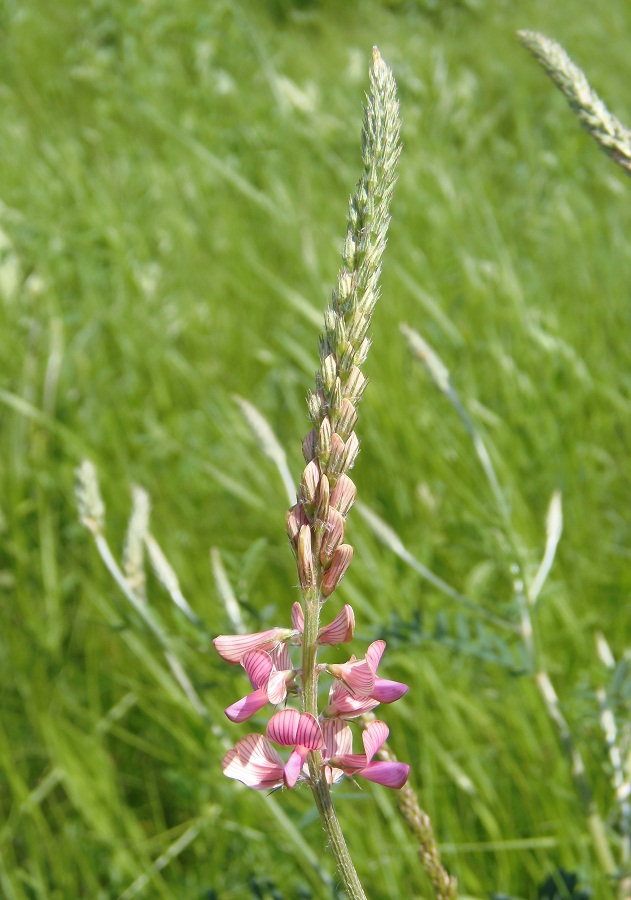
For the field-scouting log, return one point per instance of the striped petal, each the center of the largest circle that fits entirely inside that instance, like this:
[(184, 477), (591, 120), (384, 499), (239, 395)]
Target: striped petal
[(338, 738), (297, 617), (283, 727), (233, 647), (341, 628), (255, 762), (258, 665), (357, 675), (374, 735), (374, 653), (309, 733), (277, 687)]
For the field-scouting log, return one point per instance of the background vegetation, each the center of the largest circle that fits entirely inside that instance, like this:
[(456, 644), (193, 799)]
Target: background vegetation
[(173, 195)]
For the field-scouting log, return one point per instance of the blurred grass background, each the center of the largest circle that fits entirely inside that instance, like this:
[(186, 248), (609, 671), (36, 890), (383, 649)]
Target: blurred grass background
[(173, 195)]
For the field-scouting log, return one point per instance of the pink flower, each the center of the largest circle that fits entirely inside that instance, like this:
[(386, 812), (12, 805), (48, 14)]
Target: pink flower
[(233, 647), (339, 760), (339, 631), (358, 690), (254, 761), (270, 675)]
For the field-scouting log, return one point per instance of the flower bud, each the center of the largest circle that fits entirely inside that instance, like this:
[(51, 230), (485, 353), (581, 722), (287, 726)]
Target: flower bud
[(343, 495), (346, 355), (361, 354), (309, 484), (359, 326), (339, 564), (351, 450), (355, 385), (335, 400), (296, 518), (333, 536), (309, 445), (324, 441), (344, 285), (330, 321), (346, 419), (316, 403), (329, 372), (340, 334), (305, 559), (322, 499), (335, 465)]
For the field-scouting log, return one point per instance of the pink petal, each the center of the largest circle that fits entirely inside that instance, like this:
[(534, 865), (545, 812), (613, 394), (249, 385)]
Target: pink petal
[(340, 562), (390, 774), (351, 763), (281, 658), (277, 687), (333, 536), (343, 704), (338, 738), (283, 727), (374, 653), (255, 762), (341, 628), (343, 494), (247, 706), (258, 665), (233, 647), (357, 675), (297, 617), (375, 734), (388, 691), (293, 767), (309, 733)]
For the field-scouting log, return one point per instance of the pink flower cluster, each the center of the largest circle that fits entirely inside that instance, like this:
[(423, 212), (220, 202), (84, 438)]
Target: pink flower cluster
[(356, 690)]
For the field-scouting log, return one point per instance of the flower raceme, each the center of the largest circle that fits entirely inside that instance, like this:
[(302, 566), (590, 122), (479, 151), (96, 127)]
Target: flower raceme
[(256, 763), (356, 690)]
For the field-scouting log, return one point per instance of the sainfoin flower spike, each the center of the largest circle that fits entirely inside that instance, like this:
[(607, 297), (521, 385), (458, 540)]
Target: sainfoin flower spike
[(321, 741)]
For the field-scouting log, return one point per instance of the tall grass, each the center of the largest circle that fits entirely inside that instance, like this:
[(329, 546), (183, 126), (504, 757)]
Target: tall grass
[(173, 186)]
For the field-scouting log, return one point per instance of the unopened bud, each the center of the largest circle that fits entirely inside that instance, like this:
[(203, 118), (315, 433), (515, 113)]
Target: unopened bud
[(343, 495), (335, 399), (309, 445), (305, 559), (360, 356), (322, 499), (296, 518), (335, 465), (349, 249), (355, 385), (309, 483), (358, 327), (329, 372), (344, 286), (339, 564), (346, 419), (324, 441), (330, 321), (316, 404), (333, 536), (351, 450), (346, 356)]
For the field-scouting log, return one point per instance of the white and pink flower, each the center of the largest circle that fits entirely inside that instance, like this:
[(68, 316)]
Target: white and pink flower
[(255, 762)]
